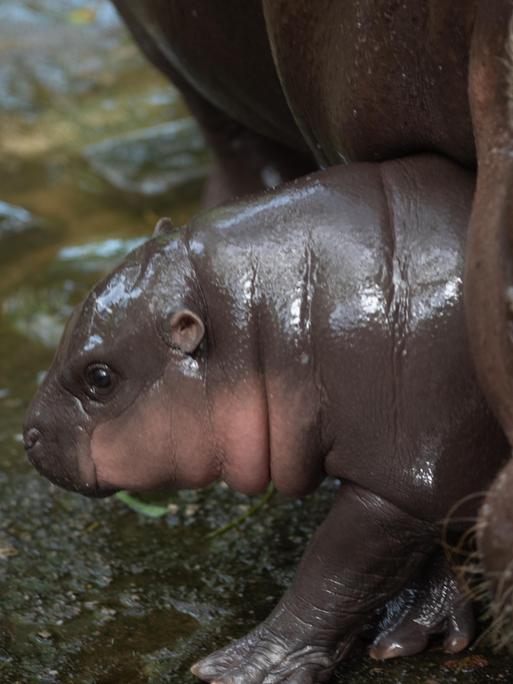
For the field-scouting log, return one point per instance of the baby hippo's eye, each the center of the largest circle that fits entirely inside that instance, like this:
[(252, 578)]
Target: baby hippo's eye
[(99, 379)]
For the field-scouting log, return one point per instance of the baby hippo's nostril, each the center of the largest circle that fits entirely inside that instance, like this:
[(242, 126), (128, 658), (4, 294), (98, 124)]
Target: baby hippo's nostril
[(31, 437)]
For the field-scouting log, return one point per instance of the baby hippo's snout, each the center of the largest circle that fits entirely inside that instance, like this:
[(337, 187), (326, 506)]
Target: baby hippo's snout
[(63, 456)]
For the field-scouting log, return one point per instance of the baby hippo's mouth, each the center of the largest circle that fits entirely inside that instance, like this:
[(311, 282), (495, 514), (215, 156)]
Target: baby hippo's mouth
[(74, 472)]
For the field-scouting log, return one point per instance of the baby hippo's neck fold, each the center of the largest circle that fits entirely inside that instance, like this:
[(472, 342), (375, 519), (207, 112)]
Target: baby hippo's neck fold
[(260, 370)]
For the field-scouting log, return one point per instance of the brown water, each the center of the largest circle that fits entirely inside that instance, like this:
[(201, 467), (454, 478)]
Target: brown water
[(95, 146)]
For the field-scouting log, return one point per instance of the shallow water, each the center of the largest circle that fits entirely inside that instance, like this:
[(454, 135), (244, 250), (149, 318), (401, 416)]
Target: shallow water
[(95, 146)]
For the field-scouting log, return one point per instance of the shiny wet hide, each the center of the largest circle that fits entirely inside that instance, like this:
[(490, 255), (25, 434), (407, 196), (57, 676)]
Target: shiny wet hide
[(92, 592)]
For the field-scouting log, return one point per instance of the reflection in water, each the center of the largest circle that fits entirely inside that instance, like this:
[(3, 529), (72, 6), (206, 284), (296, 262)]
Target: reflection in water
[(14, 219), (153, 160)]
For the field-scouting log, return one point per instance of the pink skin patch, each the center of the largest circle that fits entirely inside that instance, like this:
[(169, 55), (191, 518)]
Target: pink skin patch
[(240, 426), (163, 441), (139, 449), (296, 468), (86, 466)]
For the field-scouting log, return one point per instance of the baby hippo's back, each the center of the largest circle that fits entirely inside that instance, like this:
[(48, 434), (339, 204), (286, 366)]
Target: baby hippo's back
[(357, 275)]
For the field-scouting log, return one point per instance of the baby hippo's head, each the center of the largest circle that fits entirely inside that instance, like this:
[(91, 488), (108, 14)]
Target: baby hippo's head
[(125, 384)]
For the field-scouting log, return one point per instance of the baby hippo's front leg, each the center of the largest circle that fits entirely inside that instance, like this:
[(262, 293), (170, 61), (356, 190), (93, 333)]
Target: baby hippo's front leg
[(362, 555)]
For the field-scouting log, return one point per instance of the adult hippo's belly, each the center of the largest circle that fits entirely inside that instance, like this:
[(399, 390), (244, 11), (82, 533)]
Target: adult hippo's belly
[(373, 80), (354, 80)]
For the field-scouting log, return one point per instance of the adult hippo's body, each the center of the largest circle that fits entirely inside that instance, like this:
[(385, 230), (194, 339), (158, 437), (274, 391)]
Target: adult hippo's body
[(317, 329), (282, 86)]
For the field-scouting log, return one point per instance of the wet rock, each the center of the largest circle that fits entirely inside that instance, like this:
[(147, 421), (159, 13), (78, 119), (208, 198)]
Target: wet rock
[(34, 45), (20, 230), (40, 315), (40, 312), (151, 161), (8, 551), (467, 663), (94, 256), (15, 220)]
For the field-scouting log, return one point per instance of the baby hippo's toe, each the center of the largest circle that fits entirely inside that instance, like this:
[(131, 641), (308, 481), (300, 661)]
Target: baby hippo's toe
[(433, 604), (217, 665)]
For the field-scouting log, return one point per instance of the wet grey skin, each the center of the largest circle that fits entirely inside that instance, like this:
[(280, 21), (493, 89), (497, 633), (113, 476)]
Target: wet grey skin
[(316, 330)]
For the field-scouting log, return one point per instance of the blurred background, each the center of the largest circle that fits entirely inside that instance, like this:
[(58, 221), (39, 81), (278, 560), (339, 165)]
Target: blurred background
[(94, 146)]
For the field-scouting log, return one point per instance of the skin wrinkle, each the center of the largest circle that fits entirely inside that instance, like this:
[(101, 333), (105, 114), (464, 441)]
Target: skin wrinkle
[(255, 304), (75, 397), (197, 279), (258, 381), (217, 450), (316, 366), (306, 304), (172, 447), (389, 289)]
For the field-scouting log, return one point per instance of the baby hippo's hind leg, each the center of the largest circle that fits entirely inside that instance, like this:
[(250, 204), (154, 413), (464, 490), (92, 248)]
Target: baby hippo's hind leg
[(363, 554), (434, 603)]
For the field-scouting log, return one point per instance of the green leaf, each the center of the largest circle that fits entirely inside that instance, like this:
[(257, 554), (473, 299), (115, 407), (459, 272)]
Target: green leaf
[(149, 510)]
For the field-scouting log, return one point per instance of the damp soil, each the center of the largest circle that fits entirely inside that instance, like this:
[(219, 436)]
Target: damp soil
[(94, 147)]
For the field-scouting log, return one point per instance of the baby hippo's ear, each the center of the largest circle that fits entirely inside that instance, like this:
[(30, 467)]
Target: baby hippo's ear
[(186, 330), (164, 227)]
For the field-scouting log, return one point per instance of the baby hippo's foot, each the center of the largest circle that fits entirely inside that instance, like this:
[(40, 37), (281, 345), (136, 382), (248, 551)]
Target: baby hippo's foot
[(433, 604), (265, 656)]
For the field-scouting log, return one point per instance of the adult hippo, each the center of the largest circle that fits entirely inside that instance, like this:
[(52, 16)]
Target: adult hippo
[(315, 330), (284, 85)]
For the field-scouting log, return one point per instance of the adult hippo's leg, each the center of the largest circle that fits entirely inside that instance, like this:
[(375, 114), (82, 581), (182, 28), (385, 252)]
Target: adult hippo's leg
[(247, 162), (339, 584), (489, 264), (489, 280), (255, 150)]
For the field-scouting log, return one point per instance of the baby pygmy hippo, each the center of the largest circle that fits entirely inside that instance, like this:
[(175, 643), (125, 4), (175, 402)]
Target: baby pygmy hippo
[(315, 330)]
